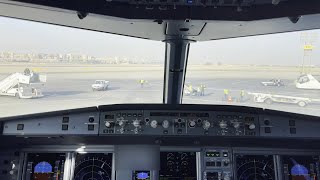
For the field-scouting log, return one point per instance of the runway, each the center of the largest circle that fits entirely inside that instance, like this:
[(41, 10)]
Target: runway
[(73, 90)]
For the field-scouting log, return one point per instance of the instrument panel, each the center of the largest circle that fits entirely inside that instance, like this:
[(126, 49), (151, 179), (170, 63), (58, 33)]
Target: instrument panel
[(162, 120), (208, 163), (216, 132)]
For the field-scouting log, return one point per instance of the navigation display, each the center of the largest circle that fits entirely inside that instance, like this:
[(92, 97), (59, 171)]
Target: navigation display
[(45, 166), (255, 167), (300, 167), (95, 166)]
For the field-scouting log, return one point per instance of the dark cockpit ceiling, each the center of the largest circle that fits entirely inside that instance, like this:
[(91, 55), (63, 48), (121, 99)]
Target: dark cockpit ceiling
[(198, 20)]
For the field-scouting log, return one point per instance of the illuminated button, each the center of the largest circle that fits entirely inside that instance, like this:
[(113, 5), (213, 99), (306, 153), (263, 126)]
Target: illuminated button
[(165, 131), (225, 154), (179, 131)]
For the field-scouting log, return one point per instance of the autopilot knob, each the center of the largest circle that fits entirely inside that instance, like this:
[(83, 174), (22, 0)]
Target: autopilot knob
[(121, 123), (223, 124), (252, 126), (154, 123), (107, 124), (192, 124), (206, 125), (165, 124), (236, 125), (136, 123)]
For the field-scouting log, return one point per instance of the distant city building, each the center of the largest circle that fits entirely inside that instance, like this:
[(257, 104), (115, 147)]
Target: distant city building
[(76, 58)]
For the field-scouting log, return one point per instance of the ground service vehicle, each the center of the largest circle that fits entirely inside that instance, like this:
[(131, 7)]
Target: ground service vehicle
[(156, 131), (100, 85), (273, 82), (23, 85), (272, 98), (307, 81)]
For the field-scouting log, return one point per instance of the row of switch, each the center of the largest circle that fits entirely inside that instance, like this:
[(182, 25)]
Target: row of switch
[(65, 127), (293, 130), (217, 163)]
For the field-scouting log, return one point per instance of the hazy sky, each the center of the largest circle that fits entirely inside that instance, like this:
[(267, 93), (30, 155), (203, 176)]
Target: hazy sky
[(32, 37)]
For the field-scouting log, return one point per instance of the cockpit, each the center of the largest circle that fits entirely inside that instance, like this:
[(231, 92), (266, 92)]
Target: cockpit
[(159, 90)]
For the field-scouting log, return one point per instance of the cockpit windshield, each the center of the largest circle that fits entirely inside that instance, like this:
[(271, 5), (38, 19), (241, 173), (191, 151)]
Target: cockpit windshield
[(47, 68), (75, 68), (276, 71)]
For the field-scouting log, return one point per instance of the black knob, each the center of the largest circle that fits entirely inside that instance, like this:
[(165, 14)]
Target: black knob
[(91, 119)]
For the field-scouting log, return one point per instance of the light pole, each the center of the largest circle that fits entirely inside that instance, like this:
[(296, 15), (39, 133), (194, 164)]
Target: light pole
[(307, 39)]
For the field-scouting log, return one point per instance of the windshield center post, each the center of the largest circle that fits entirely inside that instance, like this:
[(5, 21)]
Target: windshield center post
[(176, 57)]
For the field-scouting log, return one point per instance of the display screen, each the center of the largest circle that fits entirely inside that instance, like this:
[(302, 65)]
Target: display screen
[(93, 166), (141, 175), (45, 166), (301, 167), (178, 166), (255, 167)]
